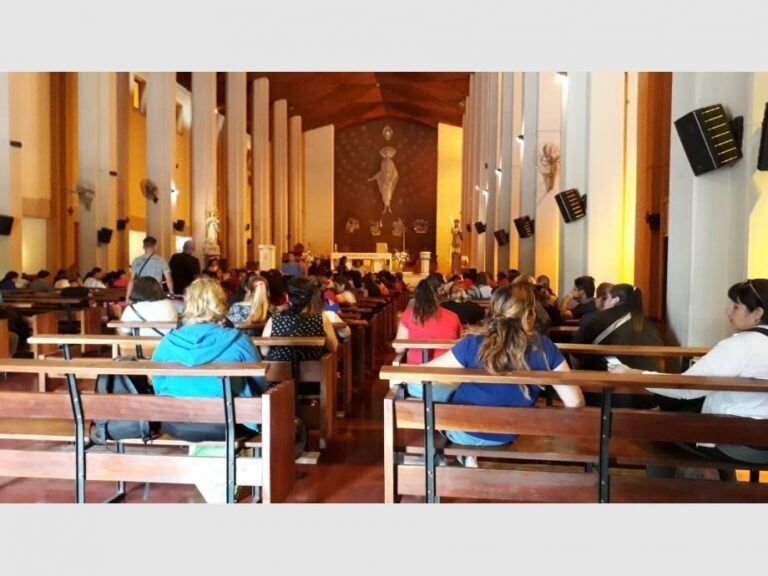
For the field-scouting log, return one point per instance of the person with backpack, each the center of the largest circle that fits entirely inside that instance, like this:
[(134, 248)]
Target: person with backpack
[(150, 264), (203, 338), (744, 354)]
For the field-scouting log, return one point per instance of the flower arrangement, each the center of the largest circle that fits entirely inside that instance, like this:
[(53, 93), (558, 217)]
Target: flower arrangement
[(308, 257), (400, 259)]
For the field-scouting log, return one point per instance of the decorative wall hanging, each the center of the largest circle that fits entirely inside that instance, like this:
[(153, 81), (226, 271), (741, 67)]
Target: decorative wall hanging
[(549, 164), (375, 227), (397, 227), (85, 196), (420, 226), (353, 225)]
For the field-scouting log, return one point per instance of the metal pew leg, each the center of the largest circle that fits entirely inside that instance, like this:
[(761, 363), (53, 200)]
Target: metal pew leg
[(118, 496)]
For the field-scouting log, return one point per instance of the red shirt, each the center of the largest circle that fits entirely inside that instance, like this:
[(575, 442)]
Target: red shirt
[(444, 326)]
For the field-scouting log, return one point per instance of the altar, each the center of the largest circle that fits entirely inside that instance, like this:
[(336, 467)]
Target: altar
[(376, 259)]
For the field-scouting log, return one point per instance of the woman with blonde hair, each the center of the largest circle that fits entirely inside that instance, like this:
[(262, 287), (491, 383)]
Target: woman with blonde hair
[(254, 308), (202, 339), (506, 343)]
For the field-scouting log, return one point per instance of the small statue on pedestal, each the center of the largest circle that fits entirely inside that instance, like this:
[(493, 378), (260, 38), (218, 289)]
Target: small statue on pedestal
[(212, 226)]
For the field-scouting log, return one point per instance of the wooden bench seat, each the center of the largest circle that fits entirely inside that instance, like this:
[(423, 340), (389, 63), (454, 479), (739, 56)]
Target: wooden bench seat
[(574, 450), (53, 417)]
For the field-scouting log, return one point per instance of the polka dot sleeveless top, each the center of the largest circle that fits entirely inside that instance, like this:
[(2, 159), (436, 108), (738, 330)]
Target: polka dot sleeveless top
[(294, 325)]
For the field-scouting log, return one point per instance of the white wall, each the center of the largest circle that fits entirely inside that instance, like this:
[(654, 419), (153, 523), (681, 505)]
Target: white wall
[(709, 215), (318, 189), (34, 254)]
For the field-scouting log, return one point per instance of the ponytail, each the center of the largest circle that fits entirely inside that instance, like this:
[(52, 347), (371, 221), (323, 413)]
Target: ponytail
[(631, 297), (506, 337)]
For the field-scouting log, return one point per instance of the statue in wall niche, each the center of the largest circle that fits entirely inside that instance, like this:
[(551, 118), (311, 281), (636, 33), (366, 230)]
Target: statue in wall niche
[(212, 227), (386, 178), (456, 237), (549, 164)]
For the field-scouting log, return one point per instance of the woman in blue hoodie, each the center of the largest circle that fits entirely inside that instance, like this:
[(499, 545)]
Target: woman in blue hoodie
[(200, 340)]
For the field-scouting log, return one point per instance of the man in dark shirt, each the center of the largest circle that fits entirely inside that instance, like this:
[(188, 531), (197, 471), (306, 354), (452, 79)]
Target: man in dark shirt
[(583, 294), (459, 303), (184, 267)]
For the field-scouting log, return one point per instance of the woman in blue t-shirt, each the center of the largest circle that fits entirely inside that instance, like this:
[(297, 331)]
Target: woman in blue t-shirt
[(507, 342)]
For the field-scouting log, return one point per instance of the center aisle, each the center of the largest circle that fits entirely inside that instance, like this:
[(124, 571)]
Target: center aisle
[(351, 468)]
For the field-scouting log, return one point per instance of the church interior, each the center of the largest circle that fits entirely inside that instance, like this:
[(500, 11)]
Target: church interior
[(623, 212)]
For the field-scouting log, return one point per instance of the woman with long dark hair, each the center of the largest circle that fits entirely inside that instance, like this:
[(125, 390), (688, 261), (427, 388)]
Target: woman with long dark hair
[(427, 320), (506, 343), (620, 321), (298, 320)]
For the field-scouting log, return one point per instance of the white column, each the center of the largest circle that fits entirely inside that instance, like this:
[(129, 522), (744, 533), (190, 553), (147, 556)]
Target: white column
[(709, 215), (598, 160), (466, 173), (204, 167), (97, 157), (575, 174), (236, 167), (262, 195), (296, 180), (528, 171), (10, 178), (481, 206), (507, 176), (492, 163), (161, 141), (280, 160), (547, 215)]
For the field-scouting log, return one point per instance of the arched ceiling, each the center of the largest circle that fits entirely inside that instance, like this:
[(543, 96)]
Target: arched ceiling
[(348, 98)]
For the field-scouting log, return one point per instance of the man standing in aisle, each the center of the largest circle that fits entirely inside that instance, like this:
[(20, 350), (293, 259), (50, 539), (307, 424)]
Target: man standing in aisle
[(150, 264), (184, 267)]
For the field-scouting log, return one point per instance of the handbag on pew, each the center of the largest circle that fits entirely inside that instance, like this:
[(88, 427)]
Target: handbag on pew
[(103, 430)]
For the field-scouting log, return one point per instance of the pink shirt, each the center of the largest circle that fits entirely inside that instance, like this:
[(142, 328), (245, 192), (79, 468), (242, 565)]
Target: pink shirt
[(444, 326)]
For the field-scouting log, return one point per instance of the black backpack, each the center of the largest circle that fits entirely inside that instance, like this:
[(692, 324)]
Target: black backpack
[(103, 430)]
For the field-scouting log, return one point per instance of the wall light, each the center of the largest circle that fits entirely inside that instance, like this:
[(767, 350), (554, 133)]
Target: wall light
[(520, 138), (498, 171), (561, 77)]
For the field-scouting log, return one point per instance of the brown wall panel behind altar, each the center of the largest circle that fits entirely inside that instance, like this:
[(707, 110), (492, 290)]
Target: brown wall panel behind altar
[(358, 158)]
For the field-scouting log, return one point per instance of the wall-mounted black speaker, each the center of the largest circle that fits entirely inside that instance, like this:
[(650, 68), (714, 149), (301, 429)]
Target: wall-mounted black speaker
[(525, 226), (179, 225), (572, 205), (708, 139), (6, 225), (104, 235), (121, 224), (479, 227), (502, 237), (469, 227), (762, 156)]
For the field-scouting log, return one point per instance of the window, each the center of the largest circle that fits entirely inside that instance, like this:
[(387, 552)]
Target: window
[(139, 94)]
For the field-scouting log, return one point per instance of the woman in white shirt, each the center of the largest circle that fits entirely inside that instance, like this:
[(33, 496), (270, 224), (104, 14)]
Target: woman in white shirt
[(345, 293), (149, 304), (93, 279), (745, 354)]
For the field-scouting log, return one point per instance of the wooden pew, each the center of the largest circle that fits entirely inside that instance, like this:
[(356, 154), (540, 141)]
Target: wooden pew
[(586, 440), (5, 344), (274, 411), (319, 417), (682, 352)]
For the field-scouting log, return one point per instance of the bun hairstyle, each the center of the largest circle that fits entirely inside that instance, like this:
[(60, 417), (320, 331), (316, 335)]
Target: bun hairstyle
[(753, 294), (631, 297), (512, 314), (426, 304), (299, 293)]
